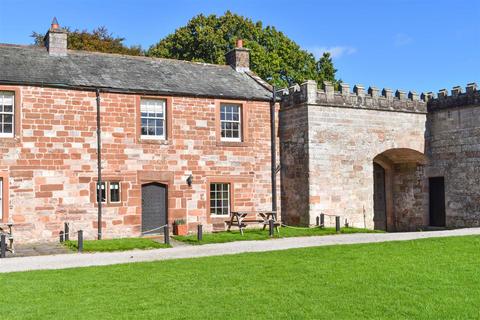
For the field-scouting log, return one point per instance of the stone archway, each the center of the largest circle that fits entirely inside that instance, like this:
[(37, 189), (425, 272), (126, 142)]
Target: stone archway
[(400, 195)]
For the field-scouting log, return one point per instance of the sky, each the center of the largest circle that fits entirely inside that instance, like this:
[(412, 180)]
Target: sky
[(422, 45)]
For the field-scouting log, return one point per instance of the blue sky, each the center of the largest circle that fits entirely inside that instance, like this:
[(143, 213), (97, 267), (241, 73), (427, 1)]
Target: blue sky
[(422, 45)]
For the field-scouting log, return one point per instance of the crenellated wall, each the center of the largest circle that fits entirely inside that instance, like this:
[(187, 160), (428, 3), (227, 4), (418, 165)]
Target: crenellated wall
[(453, 144), (335, 137)]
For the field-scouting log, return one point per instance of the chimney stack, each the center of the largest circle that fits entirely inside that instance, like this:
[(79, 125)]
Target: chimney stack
[(239, 57), (56, 40)]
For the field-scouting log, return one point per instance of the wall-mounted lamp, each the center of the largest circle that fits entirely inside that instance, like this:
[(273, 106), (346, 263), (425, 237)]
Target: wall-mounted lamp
[(189, 180)]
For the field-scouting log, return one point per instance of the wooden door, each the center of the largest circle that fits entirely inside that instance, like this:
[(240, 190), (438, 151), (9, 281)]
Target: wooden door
[(379, 199), (154, 207)]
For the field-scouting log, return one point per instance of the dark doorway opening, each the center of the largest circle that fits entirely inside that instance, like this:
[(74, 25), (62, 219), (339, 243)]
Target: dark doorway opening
[(154, 208), (437, 202), (379, 198)]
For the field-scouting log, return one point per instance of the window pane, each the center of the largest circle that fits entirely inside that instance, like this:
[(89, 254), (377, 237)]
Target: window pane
[(230, 122), (6, 112), (103, 194), (114, 192), (7, 128), (153, 117), (219, 198)]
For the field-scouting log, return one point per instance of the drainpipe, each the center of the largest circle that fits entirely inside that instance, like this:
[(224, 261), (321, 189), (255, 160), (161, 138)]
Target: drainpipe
[(99, 167), (273, 151)]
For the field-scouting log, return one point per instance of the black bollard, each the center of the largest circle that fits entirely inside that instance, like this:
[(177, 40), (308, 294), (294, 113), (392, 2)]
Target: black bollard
[(166, 234), (337, 224), (322, 220), (67, 232), (317, 221), (199, 232), (3, 246), (80, 241), (270, 227), (61, 237)]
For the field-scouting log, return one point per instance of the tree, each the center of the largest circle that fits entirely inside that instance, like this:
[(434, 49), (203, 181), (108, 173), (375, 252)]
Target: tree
[(325, 69), (273, 56), (99, 40)]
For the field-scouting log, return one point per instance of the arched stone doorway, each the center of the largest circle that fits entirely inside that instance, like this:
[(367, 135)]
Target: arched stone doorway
[(400, 194)]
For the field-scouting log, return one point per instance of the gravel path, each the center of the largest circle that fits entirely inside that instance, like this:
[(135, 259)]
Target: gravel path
[(99, 259)]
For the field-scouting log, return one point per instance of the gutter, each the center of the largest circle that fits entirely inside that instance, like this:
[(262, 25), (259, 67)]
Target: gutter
[(132, 91), (273, 151), (99, 168)]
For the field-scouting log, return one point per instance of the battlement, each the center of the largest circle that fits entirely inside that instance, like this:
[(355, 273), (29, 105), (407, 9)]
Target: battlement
[(372, 98), (457, 98)]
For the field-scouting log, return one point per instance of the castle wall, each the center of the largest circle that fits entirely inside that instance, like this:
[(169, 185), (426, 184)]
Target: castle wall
[(453, 142), (293, 131), (346, 131)]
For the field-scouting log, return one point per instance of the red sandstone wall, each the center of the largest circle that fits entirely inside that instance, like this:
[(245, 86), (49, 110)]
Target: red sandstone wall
[(51, 163)]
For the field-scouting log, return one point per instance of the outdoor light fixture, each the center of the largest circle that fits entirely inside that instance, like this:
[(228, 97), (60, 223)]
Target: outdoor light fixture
[(189, 180)]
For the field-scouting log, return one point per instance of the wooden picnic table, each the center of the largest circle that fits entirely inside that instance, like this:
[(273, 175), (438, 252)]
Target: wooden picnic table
[(240, 219)]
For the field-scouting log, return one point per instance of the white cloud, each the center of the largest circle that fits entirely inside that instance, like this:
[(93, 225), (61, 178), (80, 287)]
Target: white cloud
[(335, 52), (402, 39)]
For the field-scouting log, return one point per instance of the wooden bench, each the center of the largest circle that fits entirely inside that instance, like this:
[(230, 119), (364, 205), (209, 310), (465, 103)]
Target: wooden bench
[(241, 219)]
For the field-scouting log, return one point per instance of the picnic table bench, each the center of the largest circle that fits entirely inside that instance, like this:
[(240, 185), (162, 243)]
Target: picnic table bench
[(240, 219), (8, 237)]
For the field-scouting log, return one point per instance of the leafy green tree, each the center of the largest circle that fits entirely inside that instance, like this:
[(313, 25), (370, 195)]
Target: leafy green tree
[(326, 70), (273, 56), (99, 40)]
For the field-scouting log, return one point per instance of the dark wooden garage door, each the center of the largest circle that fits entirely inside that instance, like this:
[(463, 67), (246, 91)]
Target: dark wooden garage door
[(154, 207)]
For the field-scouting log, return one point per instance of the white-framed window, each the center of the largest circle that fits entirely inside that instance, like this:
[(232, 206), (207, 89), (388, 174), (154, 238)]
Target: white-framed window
[(103, 194), (7, 107), (231, 122), (110, 192), (114, 188), (220, 199), (153, 115)]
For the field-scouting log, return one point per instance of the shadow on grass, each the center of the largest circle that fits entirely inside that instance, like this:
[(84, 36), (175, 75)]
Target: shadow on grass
[(109, 245), (259, 234)]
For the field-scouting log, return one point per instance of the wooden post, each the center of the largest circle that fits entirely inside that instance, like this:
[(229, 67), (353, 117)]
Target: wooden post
[(3, 246), (166, 234), (337, 224), (317, 221), (61, 236), (67, 232), (80, 241), (199, 232)]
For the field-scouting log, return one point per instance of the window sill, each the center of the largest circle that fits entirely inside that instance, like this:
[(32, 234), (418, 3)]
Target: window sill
[(233, 144), (109, 204), (217, 216), (154, 141)]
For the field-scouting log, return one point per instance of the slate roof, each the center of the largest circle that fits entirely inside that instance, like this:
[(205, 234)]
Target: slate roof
[(81, 69)]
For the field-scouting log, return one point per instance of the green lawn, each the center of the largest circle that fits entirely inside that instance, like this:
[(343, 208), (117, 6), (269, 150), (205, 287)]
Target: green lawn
[(116, 244), (259, 234), (422, 279)]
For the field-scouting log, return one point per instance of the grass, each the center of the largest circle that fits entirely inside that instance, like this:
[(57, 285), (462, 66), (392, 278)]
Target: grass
[(259, 234), (116, 244), (421, 279)]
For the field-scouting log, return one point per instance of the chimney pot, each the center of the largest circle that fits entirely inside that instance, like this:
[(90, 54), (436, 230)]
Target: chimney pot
[(56, 39), (239, 43), (55, 24)]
